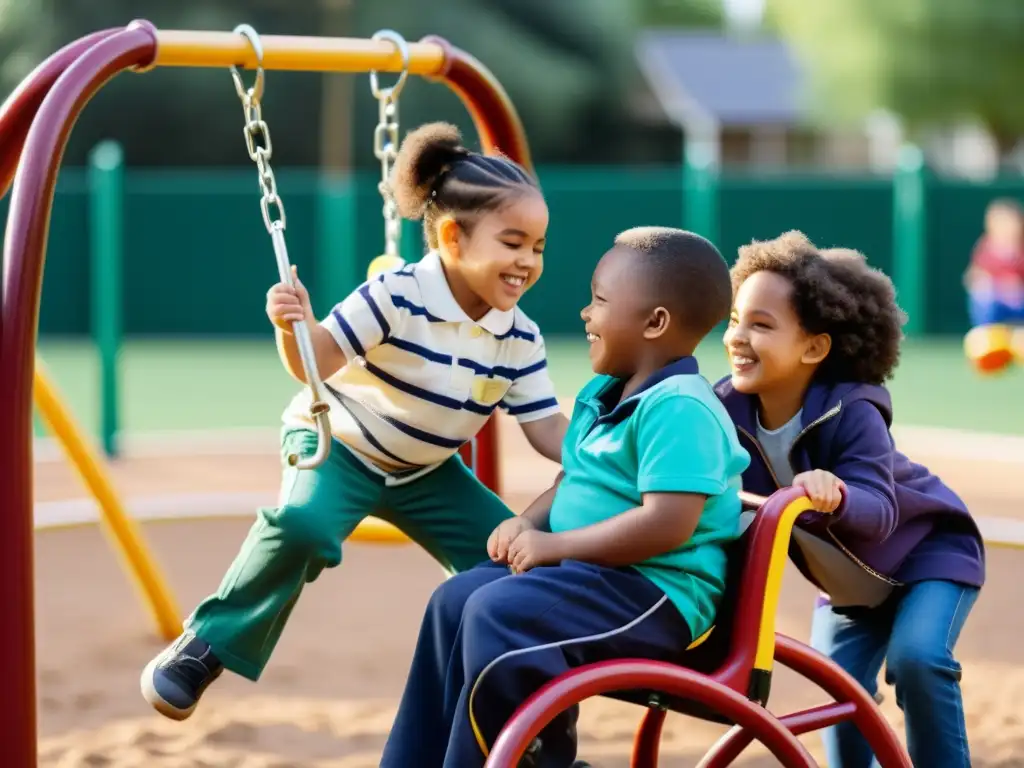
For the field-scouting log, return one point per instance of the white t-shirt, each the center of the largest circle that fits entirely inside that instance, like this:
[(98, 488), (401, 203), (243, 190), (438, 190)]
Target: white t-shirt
[(422, 378)]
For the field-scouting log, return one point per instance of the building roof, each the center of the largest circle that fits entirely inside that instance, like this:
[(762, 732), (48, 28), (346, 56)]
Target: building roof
[(715, 79)]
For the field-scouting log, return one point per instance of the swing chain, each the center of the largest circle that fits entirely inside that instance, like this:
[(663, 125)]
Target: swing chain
[(255, 129), (386, 139)]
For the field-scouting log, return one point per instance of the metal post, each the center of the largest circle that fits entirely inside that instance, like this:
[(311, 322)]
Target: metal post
[(106, 242), (24, 248), (909, 236), (700, 186), (337, 269)]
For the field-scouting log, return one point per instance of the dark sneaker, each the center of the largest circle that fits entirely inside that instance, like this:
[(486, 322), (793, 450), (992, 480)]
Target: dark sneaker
[(174, 680)]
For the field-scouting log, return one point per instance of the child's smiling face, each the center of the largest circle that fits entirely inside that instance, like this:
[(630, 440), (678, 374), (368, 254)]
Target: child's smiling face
[(768, 348), (617, 315), (1005, 227), (500, 257)]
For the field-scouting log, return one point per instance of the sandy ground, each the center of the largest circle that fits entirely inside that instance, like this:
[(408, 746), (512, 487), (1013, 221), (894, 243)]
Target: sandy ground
[(328, 697)]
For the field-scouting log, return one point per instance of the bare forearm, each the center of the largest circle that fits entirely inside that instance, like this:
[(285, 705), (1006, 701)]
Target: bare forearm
[(547, 435), (328, 356), (626, 539), (539, 511)]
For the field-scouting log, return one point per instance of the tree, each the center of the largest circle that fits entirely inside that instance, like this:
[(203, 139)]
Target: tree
[(681, 13), (565, 64), (568, 66), (931, 62), (24, 41)]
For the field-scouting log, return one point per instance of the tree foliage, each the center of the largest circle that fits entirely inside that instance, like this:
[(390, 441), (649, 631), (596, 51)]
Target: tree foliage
[(932, 62), (681, 13), (568, 66)]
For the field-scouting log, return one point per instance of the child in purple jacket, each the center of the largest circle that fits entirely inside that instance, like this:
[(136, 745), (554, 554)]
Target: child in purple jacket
[(812, 337)]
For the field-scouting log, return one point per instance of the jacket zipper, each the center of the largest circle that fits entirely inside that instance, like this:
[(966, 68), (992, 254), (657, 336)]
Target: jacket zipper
[(830, 413)]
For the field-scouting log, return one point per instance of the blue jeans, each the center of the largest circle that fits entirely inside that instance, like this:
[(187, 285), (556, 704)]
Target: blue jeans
[(991, 311), (914, 632)]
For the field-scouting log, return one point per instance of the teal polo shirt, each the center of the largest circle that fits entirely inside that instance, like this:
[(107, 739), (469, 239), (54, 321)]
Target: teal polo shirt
[(671, 436)]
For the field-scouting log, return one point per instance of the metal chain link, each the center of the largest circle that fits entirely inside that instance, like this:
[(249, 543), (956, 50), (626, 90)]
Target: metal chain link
[(257, 142), (386, 140), (256, 129)]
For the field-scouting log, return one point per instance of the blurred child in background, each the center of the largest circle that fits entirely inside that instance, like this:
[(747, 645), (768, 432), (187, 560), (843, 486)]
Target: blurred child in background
[(995, 277)]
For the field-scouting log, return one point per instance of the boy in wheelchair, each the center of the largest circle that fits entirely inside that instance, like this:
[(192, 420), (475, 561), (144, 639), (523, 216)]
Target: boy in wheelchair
[(626, 554)]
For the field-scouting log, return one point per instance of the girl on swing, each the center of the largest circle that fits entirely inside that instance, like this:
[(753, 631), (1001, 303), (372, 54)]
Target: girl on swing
[(414, 362)]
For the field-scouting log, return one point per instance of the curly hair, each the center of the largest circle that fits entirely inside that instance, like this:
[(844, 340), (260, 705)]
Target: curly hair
[(836, 292), (435, 175)]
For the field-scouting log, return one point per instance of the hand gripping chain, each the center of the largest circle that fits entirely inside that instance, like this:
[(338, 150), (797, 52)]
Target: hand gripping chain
[(257, 142)]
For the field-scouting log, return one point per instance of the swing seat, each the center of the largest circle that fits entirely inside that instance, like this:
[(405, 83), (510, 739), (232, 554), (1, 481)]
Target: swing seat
[(725, 675)]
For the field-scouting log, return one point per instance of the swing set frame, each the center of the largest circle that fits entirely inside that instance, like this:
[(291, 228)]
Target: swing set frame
[(35, 122)]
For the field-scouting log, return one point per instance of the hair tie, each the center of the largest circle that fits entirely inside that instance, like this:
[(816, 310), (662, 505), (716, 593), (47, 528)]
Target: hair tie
[(460, 154), (439, 180)]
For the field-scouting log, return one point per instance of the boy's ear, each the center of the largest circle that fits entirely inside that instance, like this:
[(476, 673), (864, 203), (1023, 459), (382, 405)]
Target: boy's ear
[(817, 349), (448, 236), (657, 323)]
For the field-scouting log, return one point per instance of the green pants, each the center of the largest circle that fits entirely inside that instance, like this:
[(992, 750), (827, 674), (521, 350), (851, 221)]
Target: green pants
[(448, 512)]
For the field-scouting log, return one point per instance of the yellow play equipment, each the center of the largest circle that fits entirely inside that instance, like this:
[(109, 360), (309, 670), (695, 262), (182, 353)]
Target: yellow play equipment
[(993, 348), (124, 532), (386, 262), (122, 529)]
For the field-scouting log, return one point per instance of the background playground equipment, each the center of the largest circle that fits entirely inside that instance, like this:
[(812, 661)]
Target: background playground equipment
[(725, 675), (989, 347), (993, 348), (386, 262)]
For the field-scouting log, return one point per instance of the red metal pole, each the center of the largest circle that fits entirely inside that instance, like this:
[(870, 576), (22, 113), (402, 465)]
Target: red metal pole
[(853, 703), (24, 251), (835, 681), (500, 129), (647, 742), (728, 748), (605, 677), (19, 109)]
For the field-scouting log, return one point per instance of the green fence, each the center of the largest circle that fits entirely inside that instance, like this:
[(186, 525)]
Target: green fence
[(197, 260)]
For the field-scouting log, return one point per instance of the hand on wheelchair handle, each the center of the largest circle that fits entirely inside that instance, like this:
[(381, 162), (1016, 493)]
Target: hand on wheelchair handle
[(824, 489)]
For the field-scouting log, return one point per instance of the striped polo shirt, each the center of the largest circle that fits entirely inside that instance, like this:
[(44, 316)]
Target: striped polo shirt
[(422, 378)]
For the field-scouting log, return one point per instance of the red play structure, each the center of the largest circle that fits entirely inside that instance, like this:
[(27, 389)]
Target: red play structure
[(726, 675)]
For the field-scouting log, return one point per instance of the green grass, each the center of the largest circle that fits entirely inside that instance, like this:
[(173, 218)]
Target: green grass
[(211, 384)]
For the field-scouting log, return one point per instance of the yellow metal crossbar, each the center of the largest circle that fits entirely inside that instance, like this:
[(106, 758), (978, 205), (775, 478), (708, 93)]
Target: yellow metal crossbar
[(180, 48)]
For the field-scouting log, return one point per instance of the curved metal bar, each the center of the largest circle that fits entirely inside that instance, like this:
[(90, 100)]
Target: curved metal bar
[(605, 677), (647, 742), (19, 109), (24, 250), (493, 113), (191, 48), (853, 702), (838, 684)]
